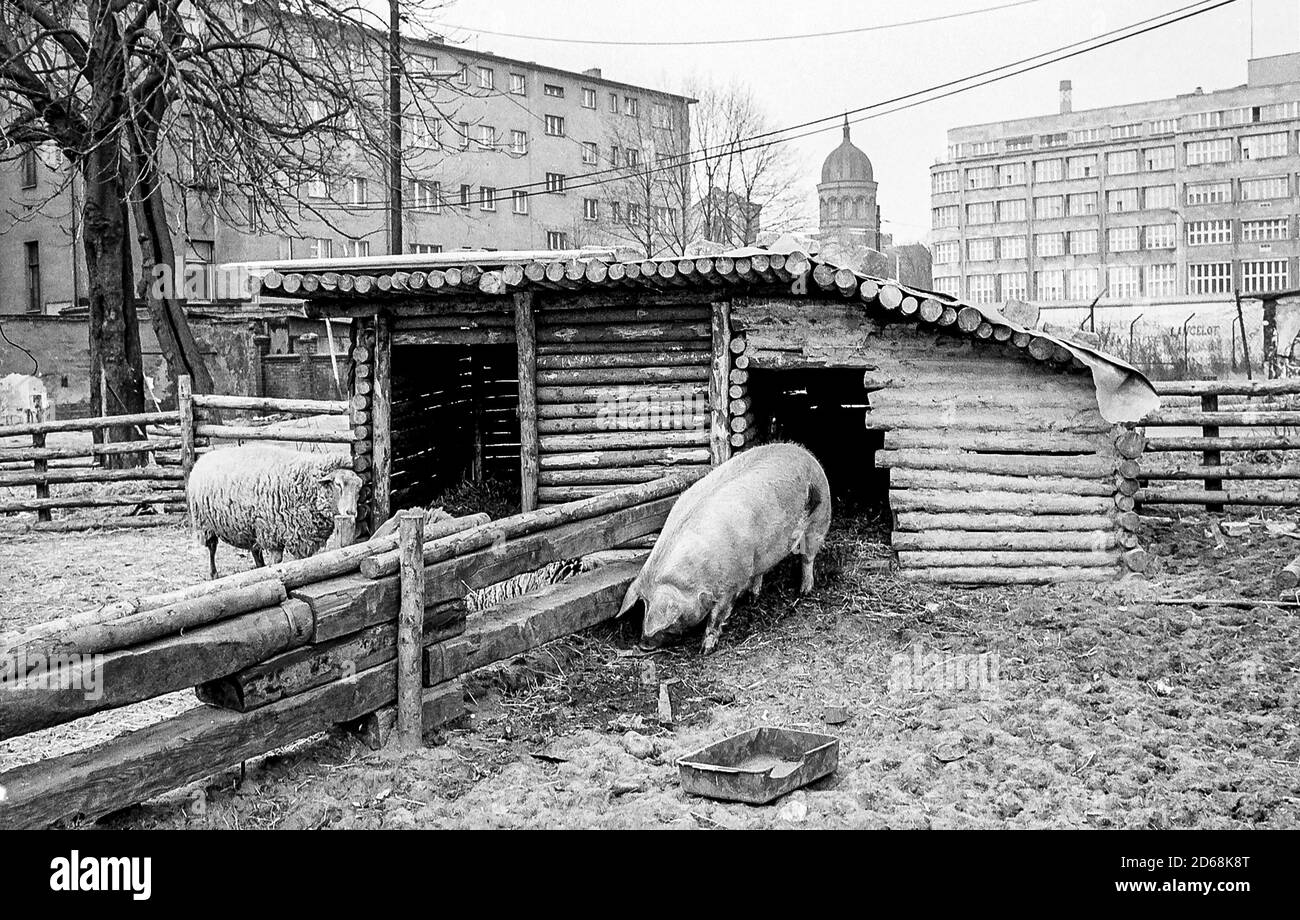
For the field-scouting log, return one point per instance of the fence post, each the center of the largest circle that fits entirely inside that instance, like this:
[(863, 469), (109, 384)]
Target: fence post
[(185, 403), (526, 349), (41, 466), (410, 631), (1210, 403)]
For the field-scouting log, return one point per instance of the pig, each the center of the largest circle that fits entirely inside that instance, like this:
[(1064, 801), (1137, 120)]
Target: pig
[(724, 534)]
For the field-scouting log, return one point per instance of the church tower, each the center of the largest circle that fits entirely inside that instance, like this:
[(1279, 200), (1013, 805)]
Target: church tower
[(847, 195)]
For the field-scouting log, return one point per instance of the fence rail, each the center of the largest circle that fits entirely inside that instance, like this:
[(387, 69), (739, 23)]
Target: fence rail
[(1269, 413)]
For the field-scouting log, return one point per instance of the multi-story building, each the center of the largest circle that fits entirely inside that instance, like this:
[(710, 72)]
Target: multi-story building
[(1181, 200), (499, 166)]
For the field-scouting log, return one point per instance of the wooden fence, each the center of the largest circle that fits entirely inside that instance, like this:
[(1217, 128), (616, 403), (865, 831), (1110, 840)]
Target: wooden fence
[(164, 448), (1247, 442), (283, 652)]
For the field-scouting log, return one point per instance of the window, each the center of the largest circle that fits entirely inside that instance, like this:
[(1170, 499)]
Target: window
[(1261, 189), (1210, 192), (613, 155), (462, 75), (1049, 207), (946, 252), (1083, 242), (631, 106), (1164, 126), (421, 132), (1048, 170), (27, 167), (948, 284), (550, 89), (1014, 284), (466, 196), (487, 198), (981, 177), (1122, 162), (520, 200), (424, 249), (588, 98), (1122, 239), (425, 195), (589, 154), (487, 137), (1088, 135), (1081, 203), (982, 250), (1049, 244), (980, 212), (1270, 275), (1122, 200), (1206, 232), (945, 181), (487, 78), (613, 103), (518, 142), (633, 212), (1011, 174), (1158, 196), (35, 302), (1049, 285), (1156, 158), (283, 247), (1218, 150), (1159, 236), (357, 188), (555, 182), (1161, 280), (660, 115), (1121, 131), (518, 84), (356, 249), (1081, 283), (318, 188), (1209, 278), (464, 134), (555, 125), (631, 157), (1252, 231), (556, 240), (1011, 209), (1053, 140), (1011, 247), (1081, 167), (1124, 281), (590, 209), (616, 211), (1263, 146), (945, 216), (981, 288), (320, 248)]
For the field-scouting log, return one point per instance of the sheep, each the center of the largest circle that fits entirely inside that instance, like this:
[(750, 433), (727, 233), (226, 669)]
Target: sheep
[(268, 500)]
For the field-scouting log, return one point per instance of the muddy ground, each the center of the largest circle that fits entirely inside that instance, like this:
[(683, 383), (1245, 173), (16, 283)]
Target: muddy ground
[(1098, 707)]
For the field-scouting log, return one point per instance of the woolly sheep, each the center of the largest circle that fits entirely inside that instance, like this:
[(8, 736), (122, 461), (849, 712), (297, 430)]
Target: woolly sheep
[(269, 500)]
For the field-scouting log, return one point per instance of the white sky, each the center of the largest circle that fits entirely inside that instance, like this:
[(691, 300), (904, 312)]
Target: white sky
[(804, 79)]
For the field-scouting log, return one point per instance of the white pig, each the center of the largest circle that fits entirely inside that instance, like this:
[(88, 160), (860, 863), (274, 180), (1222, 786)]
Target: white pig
[(725, 533)]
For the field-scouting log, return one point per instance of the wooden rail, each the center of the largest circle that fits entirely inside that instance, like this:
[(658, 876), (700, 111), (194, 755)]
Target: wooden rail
[(1245, 479)]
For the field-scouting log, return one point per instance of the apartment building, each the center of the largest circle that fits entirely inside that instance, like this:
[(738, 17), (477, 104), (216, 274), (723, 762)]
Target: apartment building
[(1175, 200), (499, 166)]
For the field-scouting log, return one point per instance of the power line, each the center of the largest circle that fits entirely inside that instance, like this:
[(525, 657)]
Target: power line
[(748, 41)]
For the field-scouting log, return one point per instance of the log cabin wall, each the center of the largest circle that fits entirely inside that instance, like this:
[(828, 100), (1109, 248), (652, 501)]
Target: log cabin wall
[(361, 378), (623, 390)]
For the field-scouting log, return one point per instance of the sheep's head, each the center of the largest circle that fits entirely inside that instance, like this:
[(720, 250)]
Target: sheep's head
[(343, 489)]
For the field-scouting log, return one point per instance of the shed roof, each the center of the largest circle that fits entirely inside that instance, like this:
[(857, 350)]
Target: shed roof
[(337, 286)]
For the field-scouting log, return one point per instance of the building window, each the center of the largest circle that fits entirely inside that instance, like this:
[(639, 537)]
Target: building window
[(1210, 192), (980, 212), (1081, 204), (945, 216), (1253, 231), (1161, 280), (283, 248), (1124, 281), (358, 189), (520, 200), (27, 166), (1209, 278), (1122, 162), (1054, 140), (1049, 285), (590, 209), (1217, 150), (1159, 236), (1263, 146), (1122, 131), (463, 131), (487, 137), (1011, 247), (588, 98), (981, 250), (613, 103), (1088, 135), (1084, 167), (1270, 275), (661, 116), (631, 157), (320, 248), (1083, 242), (420, 131), (356, 249), (1164, 126), (1081, 283), (1157, 158), (466, 196), (1048, 170), (946, 252), (981, 177), (318, 188), (519, 142), (1011, 174), (555, 182), (555, 125), (1014, 284), (35, 301), (550, 89), (1208, 232), (1158, 196), (425, 195), (1122, 239), (556, 240), (981, 288), (424, 249), (487, 198), (1011, 209), (1024, 142), (1049, 244), (631, 106), (1260, 189), (518, 84), (1049, 207), (948, 284), (945, 181), (487, 78), (1122, 200)]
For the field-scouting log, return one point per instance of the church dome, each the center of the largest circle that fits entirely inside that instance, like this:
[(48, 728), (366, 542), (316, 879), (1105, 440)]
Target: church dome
[(847, 163)]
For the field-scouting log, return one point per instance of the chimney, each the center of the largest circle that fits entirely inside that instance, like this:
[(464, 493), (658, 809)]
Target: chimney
[(1067, 100), (592, 72)]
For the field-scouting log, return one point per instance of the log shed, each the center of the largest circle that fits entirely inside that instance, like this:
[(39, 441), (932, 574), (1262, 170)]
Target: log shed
[(1006, 448)]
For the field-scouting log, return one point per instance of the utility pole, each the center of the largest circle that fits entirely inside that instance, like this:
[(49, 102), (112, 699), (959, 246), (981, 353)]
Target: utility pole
[(395, 246)]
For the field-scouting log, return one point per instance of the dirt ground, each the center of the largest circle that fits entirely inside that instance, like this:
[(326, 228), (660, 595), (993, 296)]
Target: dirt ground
[(1100, 708)]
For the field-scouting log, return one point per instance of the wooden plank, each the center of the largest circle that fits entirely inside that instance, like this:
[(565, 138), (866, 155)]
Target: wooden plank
[(410, 629), (965, 558), (1034, 575), (1009, 441), (485, 335), (596, 459), (615, 476), (1086, 540), (624, 332), (1230, 470), (1240, 442), (719, 384), (628, 376), (923, 521), (903, 478), (270, 404), (112, 448), (666, 394), (1227, 418), (1278, 387), (697, 358), (381, 423), (185, 404), (611, 422), (624, 440), (273, 433), (90, 424), (1085, 466), (1174, 496), (94, 501), (529, 448)]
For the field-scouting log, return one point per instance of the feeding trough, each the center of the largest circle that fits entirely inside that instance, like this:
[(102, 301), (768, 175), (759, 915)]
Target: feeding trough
[(759, 765)]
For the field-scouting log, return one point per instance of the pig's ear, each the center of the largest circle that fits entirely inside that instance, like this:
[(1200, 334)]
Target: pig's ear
[(632, 597)]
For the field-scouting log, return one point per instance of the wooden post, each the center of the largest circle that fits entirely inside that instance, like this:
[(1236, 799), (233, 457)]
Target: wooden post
[(185, 403), (719, 432), (410, 630), (381, 421), (476, 394), (41, 466), (526, 350), (1210, 403)]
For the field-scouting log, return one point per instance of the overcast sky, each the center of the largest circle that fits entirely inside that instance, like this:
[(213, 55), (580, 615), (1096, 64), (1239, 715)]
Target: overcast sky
[(803, 79)]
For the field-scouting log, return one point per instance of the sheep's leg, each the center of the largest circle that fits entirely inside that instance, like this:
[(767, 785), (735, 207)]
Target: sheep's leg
[(257, 557), (211, 543)]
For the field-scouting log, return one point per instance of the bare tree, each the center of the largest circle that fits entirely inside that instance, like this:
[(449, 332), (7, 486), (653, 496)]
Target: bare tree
[(648, 204)]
